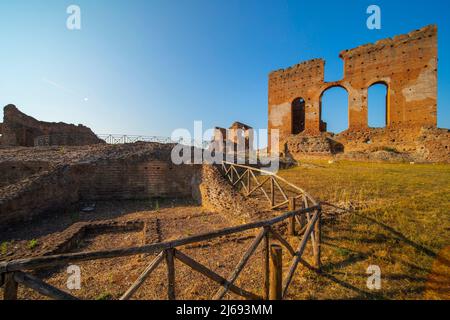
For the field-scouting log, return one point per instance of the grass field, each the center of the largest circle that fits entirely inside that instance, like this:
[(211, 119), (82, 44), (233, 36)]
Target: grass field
[(399, 220)]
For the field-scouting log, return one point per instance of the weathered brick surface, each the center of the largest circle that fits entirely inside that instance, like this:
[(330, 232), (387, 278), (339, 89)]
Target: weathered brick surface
[(135, 171), (407, 64), (50, 190), (316, 145), (135, 179), (18, 129), (14, 171), (239, 137), (218, 195)]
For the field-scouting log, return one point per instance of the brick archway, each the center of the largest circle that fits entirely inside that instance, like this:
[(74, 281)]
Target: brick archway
[(386, 107), (323, 125), (298, 111)]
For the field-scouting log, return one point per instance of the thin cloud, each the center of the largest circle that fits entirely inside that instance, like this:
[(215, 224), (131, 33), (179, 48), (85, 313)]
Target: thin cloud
[(62, 88), (57, 85)]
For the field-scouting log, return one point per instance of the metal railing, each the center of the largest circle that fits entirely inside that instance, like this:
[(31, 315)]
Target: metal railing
[(123, 138)]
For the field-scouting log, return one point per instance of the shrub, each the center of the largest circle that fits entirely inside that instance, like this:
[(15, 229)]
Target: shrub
[(32, 244)]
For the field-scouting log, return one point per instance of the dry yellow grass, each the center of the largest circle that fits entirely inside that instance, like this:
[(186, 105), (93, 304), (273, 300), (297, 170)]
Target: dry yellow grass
[(401, 223)]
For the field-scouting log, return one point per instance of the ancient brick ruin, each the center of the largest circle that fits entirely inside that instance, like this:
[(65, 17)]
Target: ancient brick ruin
[(406, 64), (239, 135), (55, 178), (89, 170), (18, 129)]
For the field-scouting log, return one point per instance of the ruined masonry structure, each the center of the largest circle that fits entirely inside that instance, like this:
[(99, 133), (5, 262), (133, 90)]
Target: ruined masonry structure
[(406, 64), (238, 133), (18, 129)]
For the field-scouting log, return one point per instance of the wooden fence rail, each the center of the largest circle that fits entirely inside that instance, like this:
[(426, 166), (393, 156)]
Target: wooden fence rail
[(246, 177), (303, 222)]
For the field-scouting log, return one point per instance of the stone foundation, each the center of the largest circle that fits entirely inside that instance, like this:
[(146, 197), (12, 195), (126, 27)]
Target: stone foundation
[(379, 144)]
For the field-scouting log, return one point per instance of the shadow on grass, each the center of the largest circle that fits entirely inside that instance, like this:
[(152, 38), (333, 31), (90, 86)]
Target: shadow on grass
[(361, 293), (409, 242), (396, 233)]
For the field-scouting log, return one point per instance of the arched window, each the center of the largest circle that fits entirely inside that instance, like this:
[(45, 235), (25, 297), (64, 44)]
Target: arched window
[(298, 116), (378, 105), (334, 109)]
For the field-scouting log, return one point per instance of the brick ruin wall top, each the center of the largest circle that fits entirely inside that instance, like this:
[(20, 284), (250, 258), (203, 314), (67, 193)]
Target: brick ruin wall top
[(51, 178), (406, 64), (18, 129)]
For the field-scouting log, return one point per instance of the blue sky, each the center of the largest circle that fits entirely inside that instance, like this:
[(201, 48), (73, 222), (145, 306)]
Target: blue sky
[(148, 67)]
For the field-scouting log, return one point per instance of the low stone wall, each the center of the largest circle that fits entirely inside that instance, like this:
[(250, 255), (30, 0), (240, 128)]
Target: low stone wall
[(320, 145), (379, 144), (125, 179), (218, 195), (65, 139), (15, 171), (45, 192), (121, 180), (420, 144), (137, 171)]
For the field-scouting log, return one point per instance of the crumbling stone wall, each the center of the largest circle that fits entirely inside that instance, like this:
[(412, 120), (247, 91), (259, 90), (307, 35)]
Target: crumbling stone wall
[(50, 190), (15, 171), (218, 195), (141, 179), (90, 173), (238, 133), (406, 64), (18, 129)]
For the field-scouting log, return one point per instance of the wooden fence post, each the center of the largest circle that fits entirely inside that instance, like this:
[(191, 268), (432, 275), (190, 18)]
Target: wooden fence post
[(317, 238), (10, 287), (170, 274), (266, 266), (276, 272), (249, 182), (291, 223), (272, 191)]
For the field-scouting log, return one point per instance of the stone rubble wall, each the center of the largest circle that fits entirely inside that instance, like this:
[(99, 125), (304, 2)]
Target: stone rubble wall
[(138, 171), (428, 145), (218, 195), (19, 129)]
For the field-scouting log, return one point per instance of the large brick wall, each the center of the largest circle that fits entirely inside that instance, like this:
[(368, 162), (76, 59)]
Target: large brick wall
[(14, 171), (406, 64), (51, 190), (124, 179), (63, 176), (18, 129)]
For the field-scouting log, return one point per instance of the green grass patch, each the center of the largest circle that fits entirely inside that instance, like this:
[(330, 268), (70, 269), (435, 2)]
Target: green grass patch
[(32, 244), (401, 224)]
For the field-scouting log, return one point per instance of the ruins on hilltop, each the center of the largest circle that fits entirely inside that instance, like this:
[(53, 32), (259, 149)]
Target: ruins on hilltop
[(19, 129), (239, 135), (405, 64)]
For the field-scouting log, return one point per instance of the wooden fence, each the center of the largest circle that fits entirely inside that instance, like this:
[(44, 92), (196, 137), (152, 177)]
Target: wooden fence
[(304, 223), (277, 190)]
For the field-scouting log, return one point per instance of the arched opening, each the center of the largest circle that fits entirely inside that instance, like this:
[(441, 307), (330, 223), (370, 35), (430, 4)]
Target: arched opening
[(298, 116), (334, 109), (378, 105)]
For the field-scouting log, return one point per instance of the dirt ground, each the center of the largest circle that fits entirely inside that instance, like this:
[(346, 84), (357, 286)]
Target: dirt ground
[(110, 278)]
